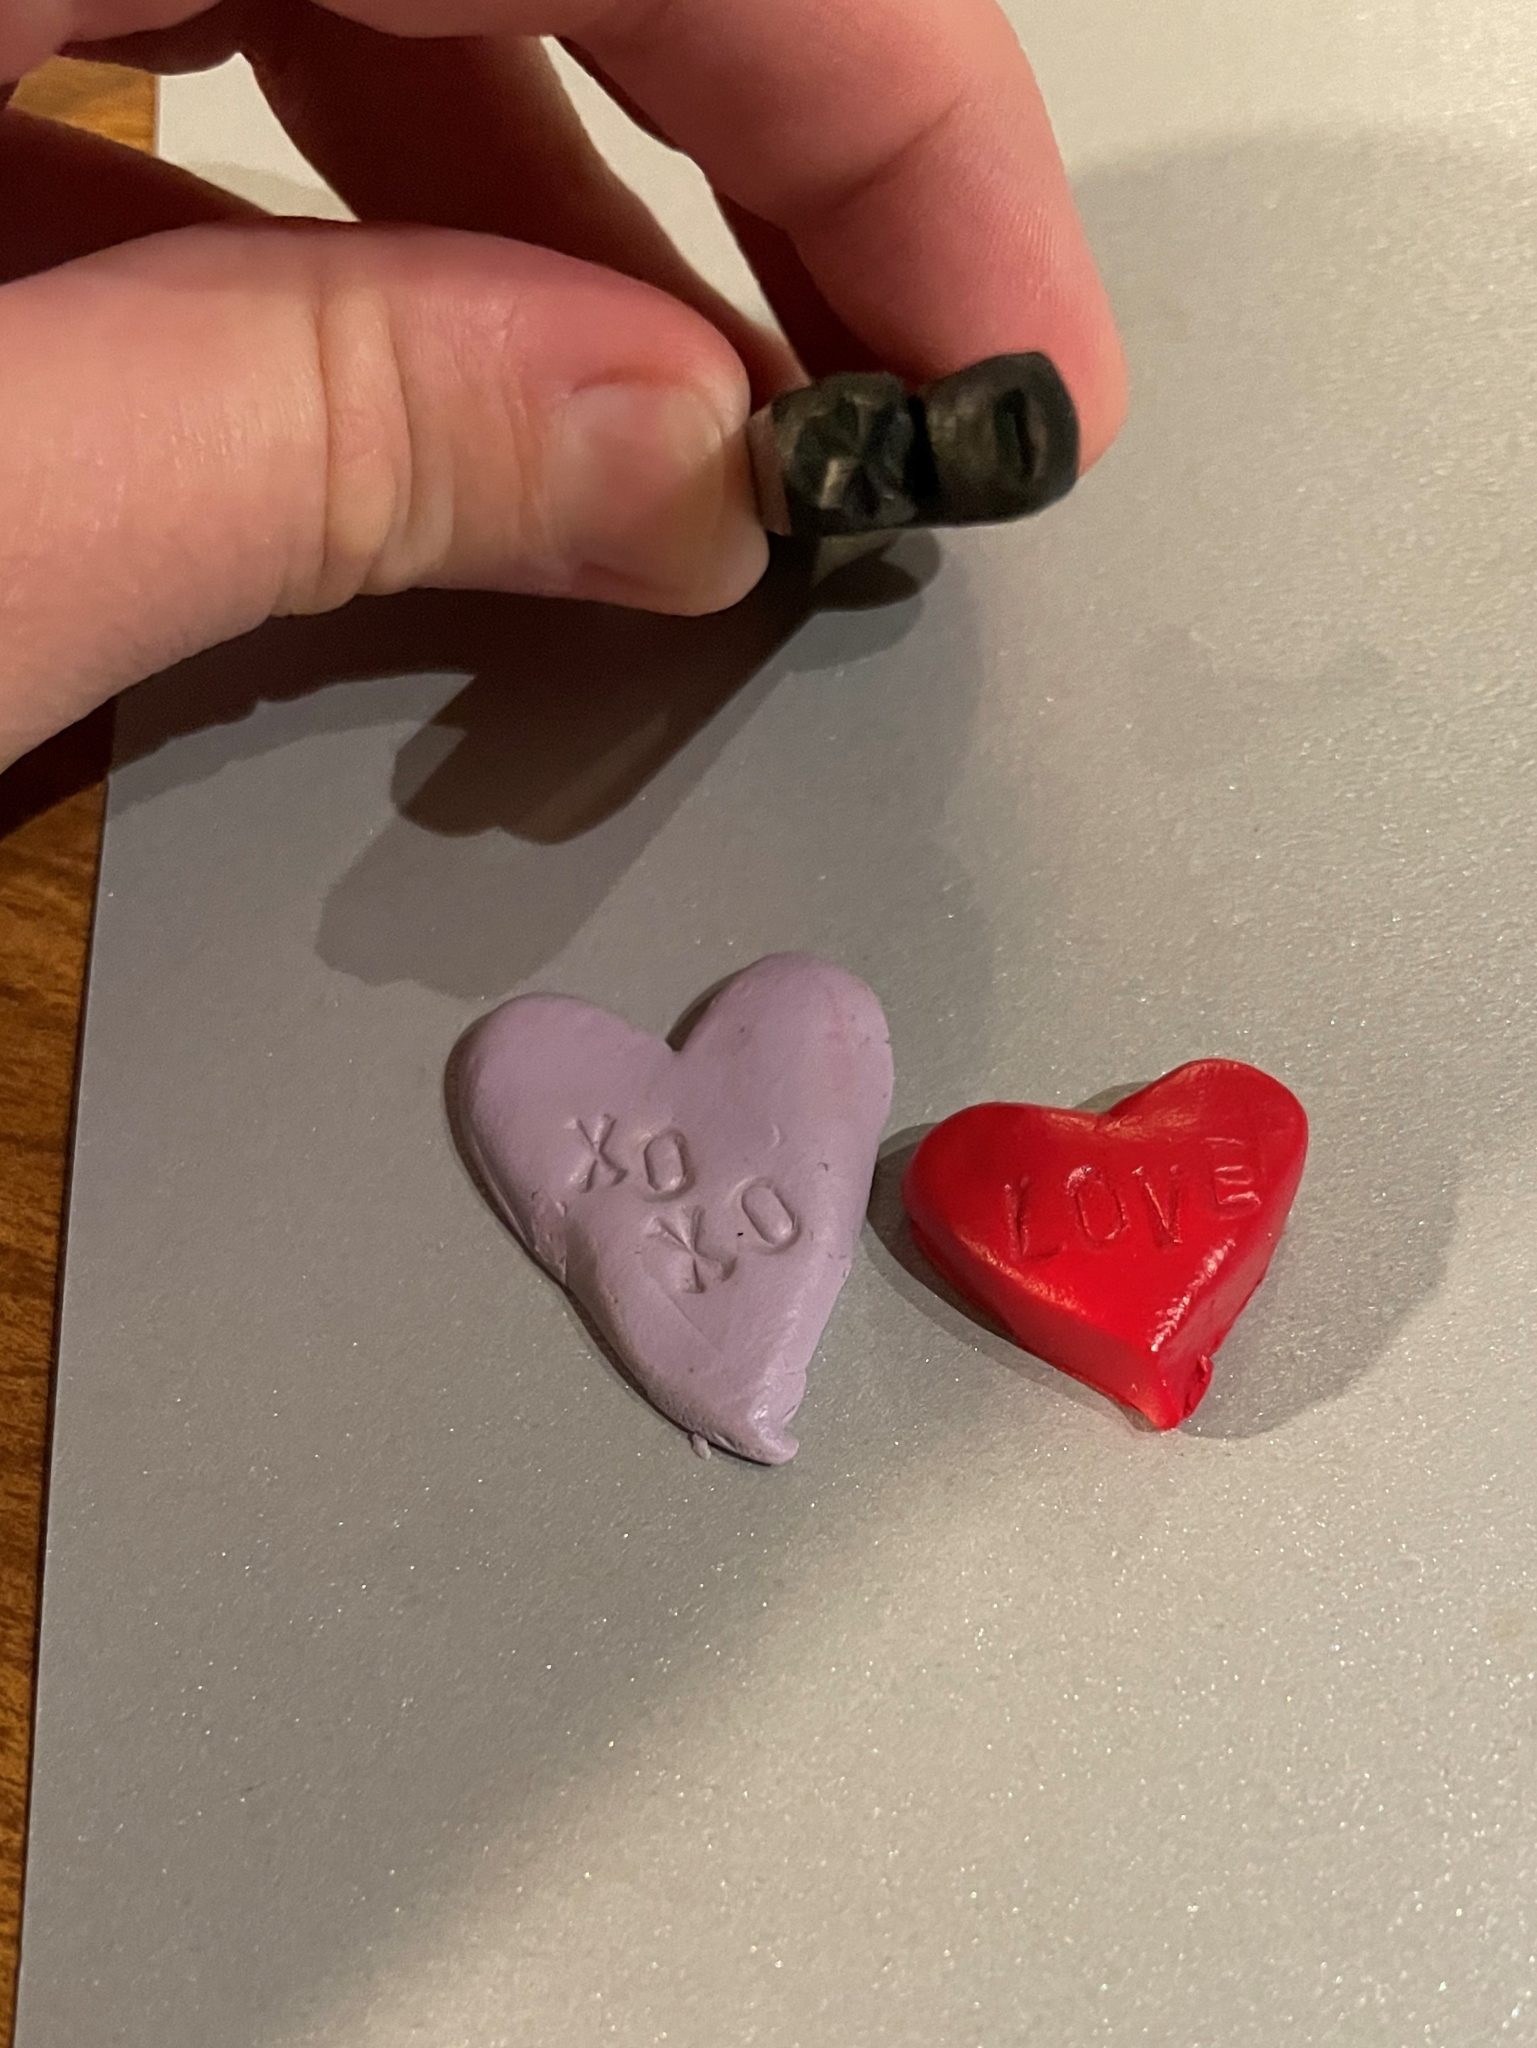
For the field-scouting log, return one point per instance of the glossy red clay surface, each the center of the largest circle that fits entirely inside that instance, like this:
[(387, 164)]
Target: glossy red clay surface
[(1120, 1247)]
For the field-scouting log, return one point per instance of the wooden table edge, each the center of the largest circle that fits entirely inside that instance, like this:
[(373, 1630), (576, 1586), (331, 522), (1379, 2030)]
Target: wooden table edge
[(51, 815)]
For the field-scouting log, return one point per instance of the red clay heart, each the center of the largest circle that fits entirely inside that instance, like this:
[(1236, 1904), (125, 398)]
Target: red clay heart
[(1120, 1247)]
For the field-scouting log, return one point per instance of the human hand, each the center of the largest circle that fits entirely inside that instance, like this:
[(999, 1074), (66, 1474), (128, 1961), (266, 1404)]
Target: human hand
[(210, 417)]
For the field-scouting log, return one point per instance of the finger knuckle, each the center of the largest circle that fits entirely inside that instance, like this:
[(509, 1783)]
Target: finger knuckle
[(432, 468), (364, 483)]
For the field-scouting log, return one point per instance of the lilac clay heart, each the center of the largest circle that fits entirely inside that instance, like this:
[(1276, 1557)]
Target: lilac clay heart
[(702, 1206)]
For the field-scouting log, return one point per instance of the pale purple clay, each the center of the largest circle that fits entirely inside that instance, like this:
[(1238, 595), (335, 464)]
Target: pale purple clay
[(702, 1206)]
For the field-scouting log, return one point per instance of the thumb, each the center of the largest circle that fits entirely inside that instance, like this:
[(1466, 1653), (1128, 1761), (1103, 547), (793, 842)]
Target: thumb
[(208, 427)]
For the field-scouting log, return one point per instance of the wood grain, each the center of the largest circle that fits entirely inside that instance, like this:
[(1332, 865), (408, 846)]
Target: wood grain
[(50, 840), (102, 97)]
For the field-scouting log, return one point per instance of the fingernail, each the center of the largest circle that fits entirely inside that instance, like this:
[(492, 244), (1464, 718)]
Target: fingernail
[(651, 497)]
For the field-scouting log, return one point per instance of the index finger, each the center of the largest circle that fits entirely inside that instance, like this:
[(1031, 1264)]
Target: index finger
[(901, 146)]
